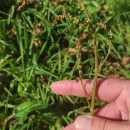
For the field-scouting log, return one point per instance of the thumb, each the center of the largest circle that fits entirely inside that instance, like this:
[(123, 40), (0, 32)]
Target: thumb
[(97, 123)]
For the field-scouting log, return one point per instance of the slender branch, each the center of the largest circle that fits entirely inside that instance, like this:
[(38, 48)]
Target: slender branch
[(79, 67), (84, 89), (108, 53), (95, 77), (86, 12), (1, 12), (84, 8)]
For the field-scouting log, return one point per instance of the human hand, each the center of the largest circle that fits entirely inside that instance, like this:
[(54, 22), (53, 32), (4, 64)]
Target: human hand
[(114, 116)]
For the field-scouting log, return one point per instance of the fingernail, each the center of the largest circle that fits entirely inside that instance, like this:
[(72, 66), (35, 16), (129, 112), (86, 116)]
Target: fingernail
[(83, 123)]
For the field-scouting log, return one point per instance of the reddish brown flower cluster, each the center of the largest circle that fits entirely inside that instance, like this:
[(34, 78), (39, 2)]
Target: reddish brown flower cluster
[(24, 3), (59, 17), (21, 6), (102, 25)]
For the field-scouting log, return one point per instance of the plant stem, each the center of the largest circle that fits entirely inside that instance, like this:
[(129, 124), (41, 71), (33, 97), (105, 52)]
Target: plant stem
[(109, 51), (1, 12), (79, 67), (85, 9), (95, 77), (85, 92)]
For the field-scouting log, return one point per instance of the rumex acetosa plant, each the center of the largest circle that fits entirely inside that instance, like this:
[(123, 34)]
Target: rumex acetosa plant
[(23, 3), (90, 27)]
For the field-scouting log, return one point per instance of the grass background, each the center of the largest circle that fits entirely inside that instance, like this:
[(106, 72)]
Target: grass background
[(34, 53)]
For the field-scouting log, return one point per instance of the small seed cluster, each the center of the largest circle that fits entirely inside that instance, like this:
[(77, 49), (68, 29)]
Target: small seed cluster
[(78, 52), (101, 24), (24, 3), (81, 4), (58, 18), (78, 56), (68, 17), (88, 29)]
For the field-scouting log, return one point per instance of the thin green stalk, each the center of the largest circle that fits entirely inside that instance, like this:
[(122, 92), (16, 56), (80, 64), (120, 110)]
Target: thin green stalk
[(95, 78), (79, 67), (1, 12), (108, 53), (85, 92), (85, 9), (86, 12)]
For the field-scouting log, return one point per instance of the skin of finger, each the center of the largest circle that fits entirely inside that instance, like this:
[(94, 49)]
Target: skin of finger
[(123, 103), (118, 109), (98, 123), (69, 127), (104, 124), (109, 111), (107, 89)]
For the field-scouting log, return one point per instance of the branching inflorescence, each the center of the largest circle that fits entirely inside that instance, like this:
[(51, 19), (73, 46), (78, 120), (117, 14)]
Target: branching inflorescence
[(23, 4), (91, 30)]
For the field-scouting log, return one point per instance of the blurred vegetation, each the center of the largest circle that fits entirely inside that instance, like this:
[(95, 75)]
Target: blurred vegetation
[(34, 52)]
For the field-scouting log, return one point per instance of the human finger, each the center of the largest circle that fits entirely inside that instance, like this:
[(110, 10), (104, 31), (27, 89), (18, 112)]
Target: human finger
[(97, 123), (109, 111), (69, 127), (107, 89)]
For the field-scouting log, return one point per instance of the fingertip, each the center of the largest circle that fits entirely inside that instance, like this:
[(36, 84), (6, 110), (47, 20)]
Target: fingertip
[(55, 86), (83, 123), (69, 127), (61, 87)]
